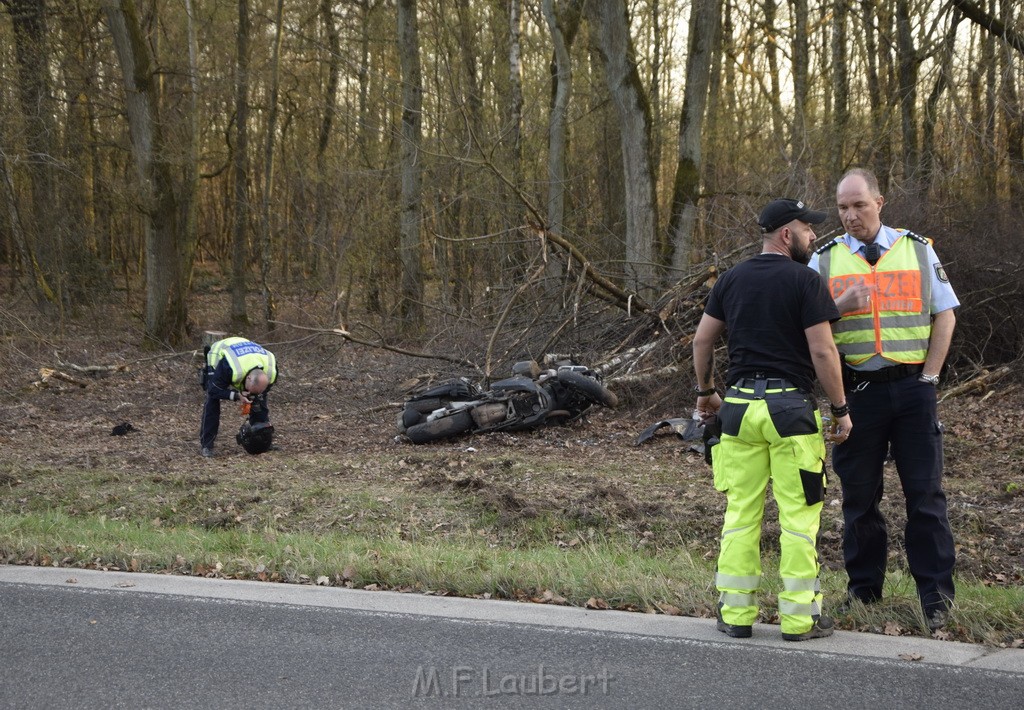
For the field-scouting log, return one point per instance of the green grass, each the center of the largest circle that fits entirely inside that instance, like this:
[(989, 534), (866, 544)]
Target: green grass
[(502, 529)]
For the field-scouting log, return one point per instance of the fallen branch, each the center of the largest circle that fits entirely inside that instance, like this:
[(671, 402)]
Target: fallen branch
[(620, 297), (986, 378), (645, 376), (47, 374), (382, 346)]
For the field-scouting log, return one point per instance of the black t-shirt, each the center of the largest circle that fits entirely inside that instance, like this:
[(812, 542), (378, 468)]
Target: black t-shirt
[(767, 302)]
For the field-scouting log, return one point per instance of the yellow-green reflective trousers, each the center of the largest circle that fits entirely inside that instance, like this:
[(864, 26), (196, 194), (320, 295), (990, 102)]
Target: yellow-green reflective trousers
[(777, 438)]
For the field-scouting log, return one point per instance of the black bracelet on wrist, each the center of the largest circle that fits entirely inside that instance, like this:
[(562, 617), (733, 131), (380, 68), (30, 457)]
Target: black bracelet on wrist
[(704, 393), (841, 411)]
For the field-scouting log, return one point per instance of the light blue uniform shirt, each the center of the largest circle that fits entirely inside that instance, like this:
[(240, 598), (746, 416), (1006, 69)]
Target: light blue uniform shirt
[(943, 296)]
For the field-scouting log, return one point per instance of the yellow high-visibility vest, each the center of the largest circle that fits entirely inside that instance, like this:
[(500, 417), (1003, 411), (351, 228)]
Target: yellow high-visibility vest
[(896, 323), (243, 356)]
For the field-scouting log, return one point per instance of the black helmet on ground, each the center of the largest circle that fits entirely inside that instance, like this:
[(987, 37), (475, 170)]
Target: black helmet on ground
[(256, 438)]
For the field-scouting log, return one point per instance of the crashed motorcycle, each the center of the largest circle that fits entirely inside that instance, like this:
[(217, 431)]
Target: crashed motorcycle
[(531, 398)]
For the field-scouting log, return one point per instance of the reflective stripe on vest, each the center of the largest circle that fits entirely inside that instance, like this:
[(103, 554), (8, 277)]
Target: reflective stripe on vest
[(243, 356), (897, 323)]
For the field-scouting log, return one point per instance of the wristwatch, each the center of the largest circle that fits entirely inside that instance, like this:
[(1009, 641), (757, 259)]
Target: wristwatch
[(704, 393), (930, 379)]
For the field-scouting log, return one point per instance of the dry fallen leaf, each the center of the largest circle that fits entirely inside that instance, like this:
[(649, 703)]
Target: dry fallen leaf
[(669, 609), (892, 629), (71, 580), (596, 603), (911, 656), (323, 581), (550, 597)]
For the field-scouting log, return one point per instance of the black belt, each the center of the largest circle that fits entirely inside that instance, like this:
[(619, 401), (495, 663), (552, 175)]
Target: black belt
[(771, 383), (886, 374)]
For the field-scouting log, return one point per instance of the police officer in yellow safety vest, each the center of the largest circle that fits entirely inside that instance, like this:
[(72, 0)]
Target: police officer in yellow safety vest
[(777, 313), (238, 370), (897, 324)]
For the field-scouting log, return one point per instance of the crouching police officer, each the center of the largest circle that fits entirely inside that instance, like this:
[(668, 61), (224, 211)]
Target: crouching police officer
[(238, 370), (778, 319)]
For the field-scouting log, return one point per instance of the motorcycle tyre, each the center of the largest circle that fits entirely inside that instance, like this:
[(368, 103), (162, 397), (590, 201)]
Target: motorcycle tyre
[(590, 387), (452, 425), (408, 417)]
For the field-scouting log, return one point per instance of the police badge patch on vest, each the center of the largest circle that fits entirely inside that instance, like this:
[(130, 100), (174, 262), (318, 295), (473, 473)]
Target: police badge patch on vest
[(940, 273)]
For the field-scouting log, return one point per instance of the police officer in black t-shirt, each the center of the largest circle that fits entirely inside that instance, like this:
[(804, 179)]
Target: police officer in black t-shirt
[(777, 313)]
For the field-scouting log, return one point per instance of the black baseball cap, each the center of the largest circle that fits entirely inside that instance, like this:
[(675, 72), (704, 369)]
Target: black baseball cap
[(783, 211)]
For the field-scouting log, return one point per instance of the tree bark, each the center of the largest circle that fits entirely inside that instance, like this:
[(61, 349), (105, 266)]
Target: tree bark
[(28, 20), (992, 25), (564, 23), (908, 63), (704, 26), (165, 312), (634, 113), (268, 167), (840, 85), (800, 145), (239, 315), (411, 306)]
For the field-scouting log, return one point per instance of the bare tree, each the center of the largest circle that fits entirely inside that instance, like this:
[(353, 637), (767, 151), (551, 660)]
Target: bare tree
[(634, 113), (166, 312), (240, 244), (410, 210), (43, 240), (704, 27), (564, 22)]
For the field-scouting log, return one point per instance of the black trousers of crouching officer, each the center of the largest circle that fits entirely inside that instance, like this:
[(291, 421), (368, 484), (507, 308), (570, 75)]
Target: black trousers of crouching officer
[(258, 413), (900, 414)]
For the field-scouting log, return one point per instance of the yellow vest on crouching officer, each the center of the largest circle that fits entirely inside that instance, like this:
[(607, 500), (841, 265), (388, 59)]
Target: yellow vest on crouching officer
[(243, 356), (896, 323)]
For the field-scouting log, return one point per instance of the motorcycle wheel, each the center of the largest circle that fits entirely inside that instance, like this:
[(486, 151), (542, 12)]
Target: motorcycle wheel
[(442, 428), (590, 387), (408, 417)]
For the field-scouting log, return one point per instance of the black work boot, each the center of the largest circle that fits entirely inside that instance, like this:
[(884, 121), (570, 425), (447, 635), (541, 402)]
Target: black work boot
[(823, 626), (734, 630)]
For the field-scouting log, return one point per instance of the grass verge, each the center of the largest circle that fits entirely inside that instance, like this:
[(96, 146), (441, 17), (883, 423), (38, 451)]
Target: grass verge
[(599, 573)]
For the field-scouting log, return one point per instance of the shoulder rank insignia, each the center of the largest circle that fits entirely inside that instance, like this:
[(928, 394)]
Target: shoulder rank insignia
[(827, 245), (915, 237)]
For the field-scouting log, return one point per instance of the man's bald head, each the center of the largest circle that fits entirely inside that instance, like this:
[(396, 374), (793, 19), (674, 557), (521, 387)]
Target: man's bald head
[(256, 382)]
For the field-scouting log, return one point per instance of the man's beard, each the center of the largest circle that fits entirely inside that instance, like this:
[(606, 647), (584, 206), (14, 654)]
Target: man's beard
[(801, 255)]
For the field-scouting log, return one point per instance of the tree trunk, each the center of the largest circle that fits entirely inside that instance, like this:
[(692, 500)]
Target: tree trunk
[(564, 23), (268, 168), (779, 127), (240, 242), (411, 306), (931, 110), (840, 85), (166, 312), (323, 239), (908, 63), (704, 28), (42, 233), (801, 146), (634, 112)]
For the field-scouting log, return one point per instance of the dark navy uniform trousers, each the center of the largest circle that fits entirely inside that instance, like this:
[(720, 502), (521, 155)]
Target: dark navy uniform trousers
[(899, 416)]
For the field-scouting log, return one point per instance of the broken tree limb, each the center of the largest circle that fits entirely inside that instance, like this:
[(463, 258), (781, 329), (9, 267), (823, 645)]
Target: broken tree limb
[(980, 382), (645, 376), (381, 346), (47, 374), (620, 297)]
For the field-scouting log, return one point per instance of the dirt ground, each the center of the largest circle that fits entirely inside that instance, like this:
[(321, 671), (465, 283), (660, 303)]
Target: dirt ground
[(336, 403)]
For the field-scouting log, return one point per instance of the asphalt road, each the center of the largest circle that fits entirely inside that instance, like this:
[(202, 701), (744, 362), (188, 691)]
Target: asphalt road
[(88, 639)]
